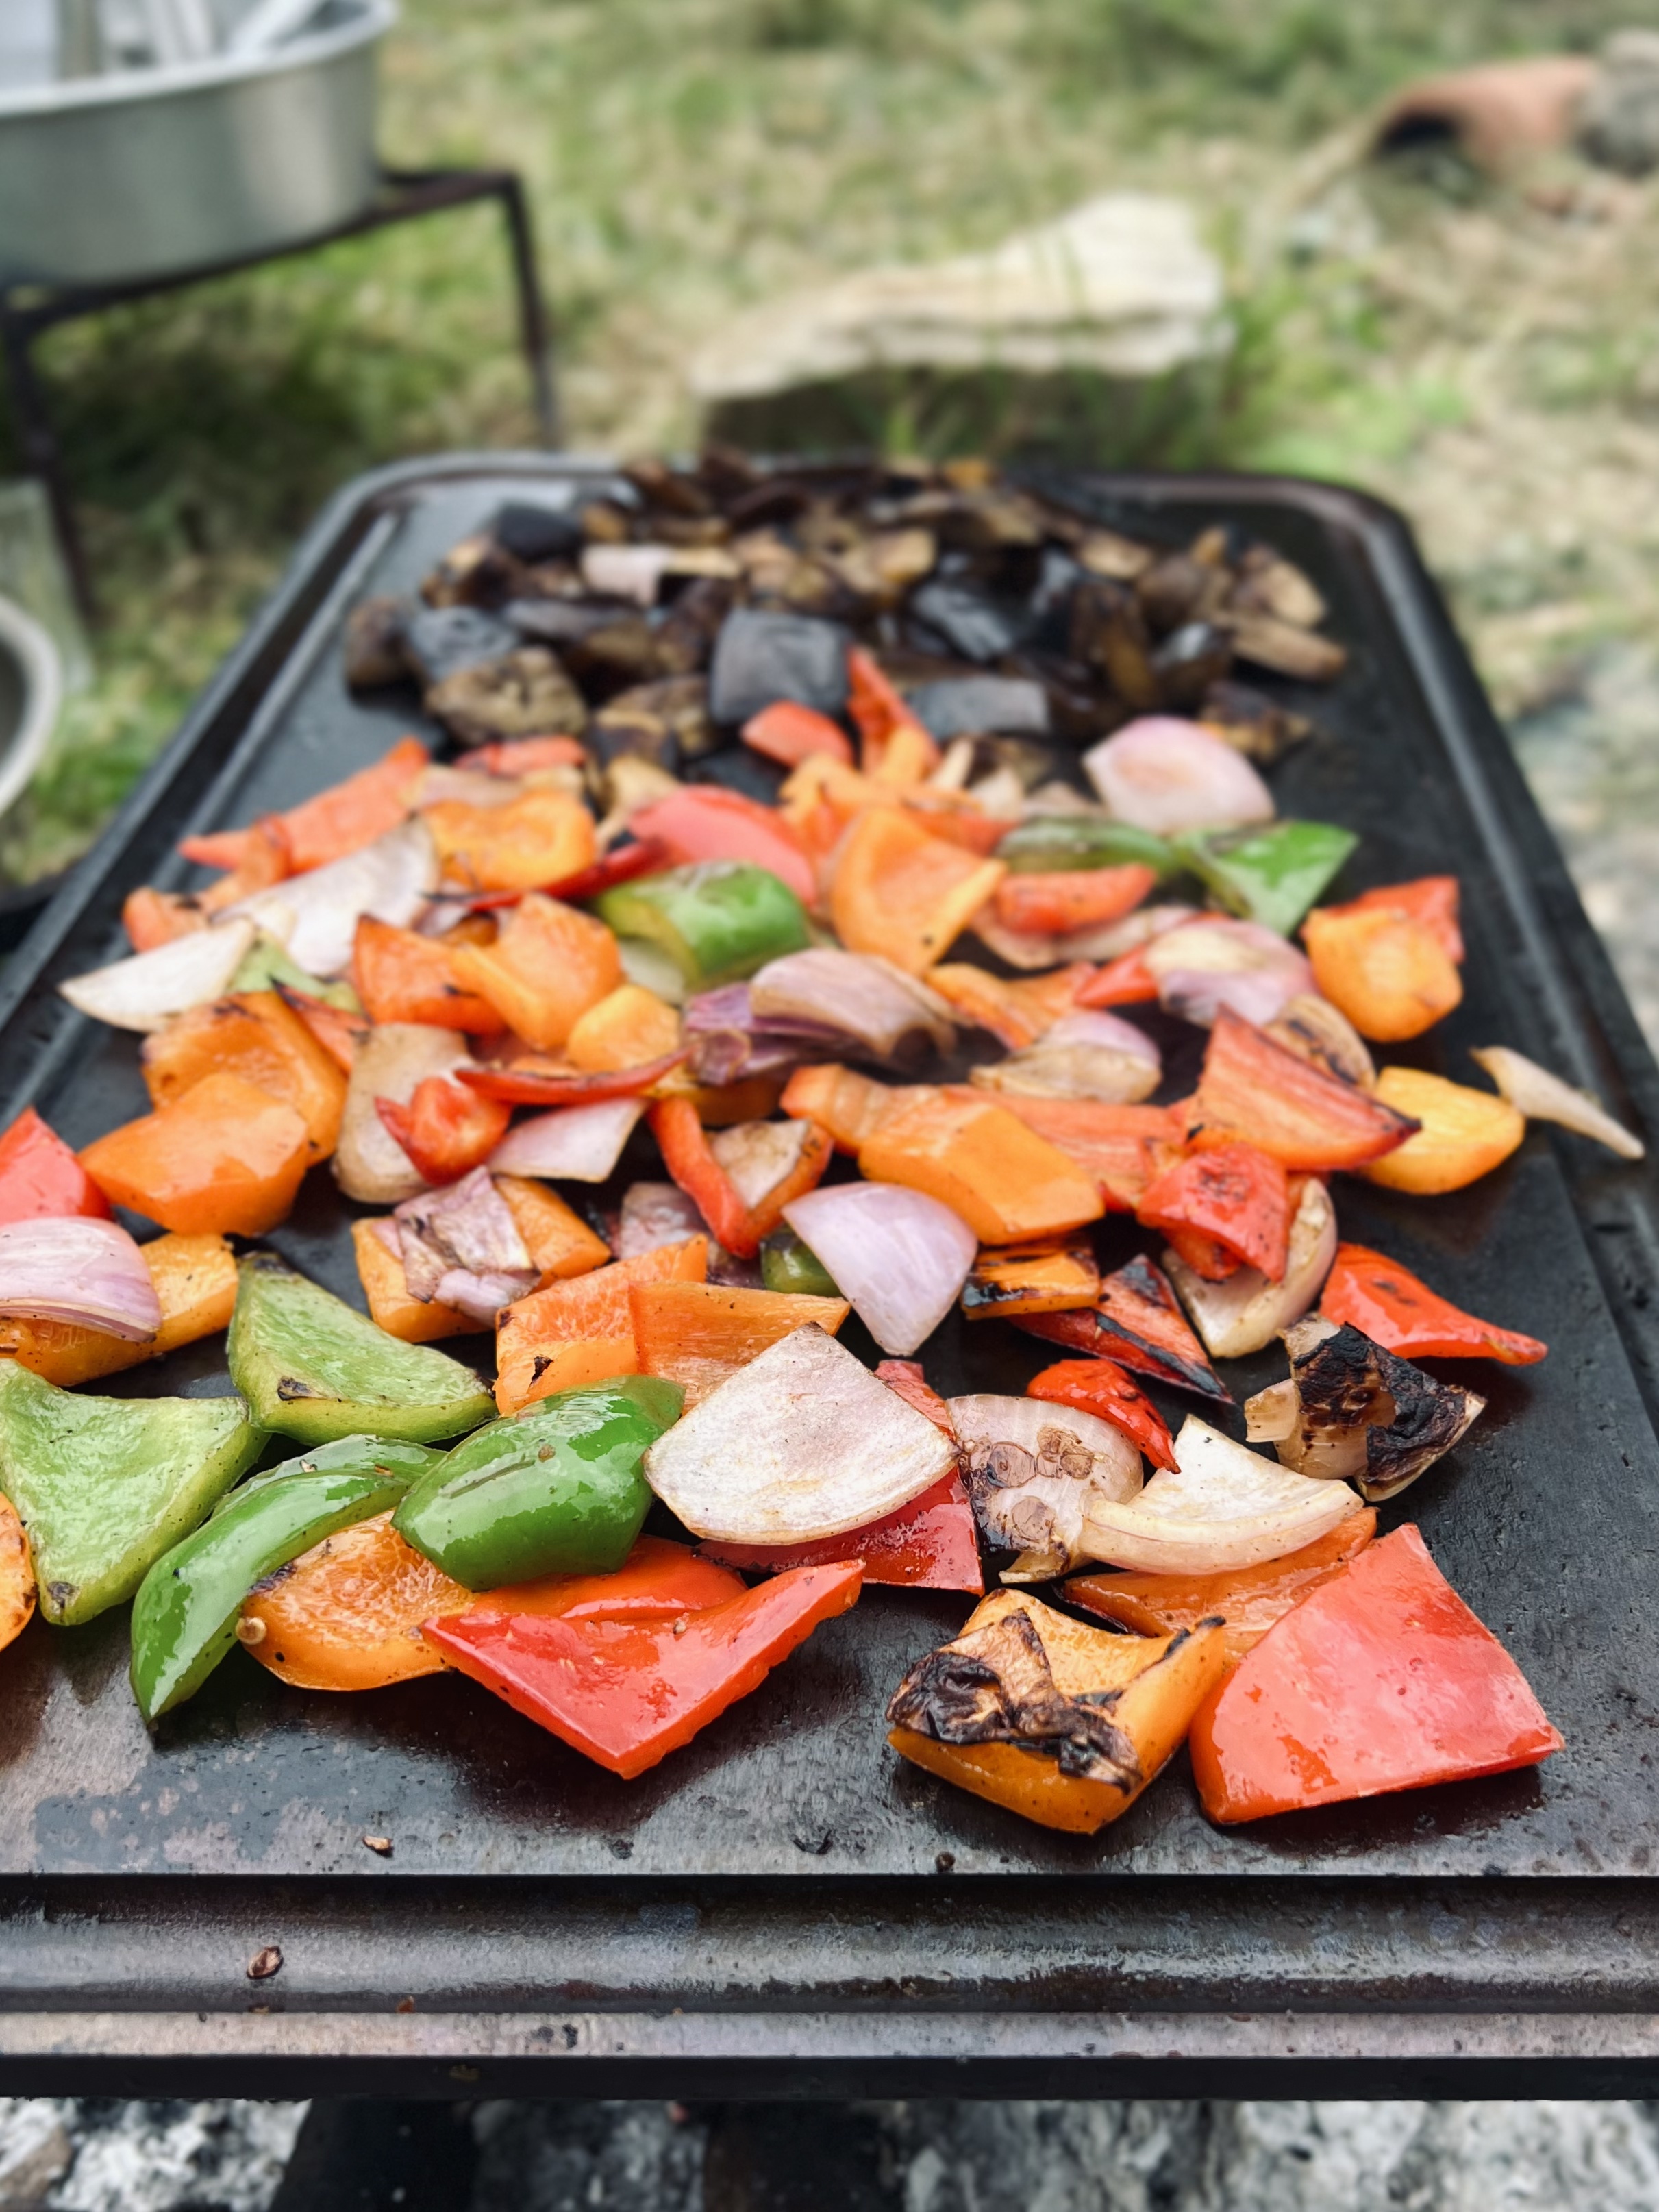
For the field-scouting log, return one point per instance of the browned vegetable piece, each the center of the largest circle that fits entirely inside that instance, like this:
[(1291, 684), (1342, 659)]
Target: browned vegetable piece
[(524, 693), (1051, 1276), (1061, 1723), (1353, 1412), (16, 1576)]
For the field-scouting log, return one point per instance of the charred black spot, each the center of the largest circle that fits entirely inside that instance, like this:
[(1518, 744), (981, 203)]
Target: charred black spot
[(289, 1387)]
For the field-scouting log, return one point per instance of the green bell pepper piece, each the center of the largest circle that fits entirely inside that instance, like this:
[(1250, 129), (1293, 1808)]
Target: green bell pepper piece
[(1271, 875), (555, 1490), (105, 1485), (184, 1616), (718, 921), (267, 964), (789, 1264), (313, 1368), (1049, 843)]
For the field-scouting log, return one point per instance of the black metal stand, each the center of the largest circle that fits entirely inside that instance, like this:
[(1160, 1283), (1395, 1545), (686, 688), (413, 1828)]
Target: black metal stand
[(27, 311)]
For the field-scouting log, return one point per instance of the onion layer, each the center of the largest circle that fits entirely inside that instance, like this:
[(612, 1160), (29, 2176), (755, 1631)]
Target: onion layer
[(1166, 775), (1541, 1096), (1247, 1311), (899, 1257), (1221, 1507), (315, 916), (146, 991), (1032, 1470), (1215, 962), (88, 1274), (577, 1144)]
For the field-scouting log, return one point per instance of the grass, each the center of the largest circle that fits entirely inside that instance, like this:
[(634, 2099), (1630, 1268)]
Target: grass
[(1438, 338)]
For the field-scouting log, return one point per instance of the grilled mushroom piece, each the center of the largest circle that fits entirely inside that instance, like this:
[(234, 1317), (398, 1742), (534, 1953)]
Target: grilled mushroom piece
[(375, 644), (441, 642), (1353, 1412), (522, 695), (1251, 722)]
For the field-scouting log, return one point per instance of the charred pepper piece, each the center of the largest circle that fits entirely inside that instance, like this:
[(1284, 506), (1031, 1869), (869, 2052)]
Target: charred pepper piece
[(556, 1489), (313, 1368), (184, 1616), (105, 1485)]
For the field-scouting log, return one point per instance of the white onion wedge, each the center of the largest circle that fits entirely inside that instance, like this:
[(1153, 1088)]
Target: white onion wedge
[(1032, 1469), (573, 1144), (1541, 1096), (1247, 1311), (1216, 961), (369, 1163), (898, 1257), (85, 1272), (315, 916), (802, 1442), (756, 1156), (148, 990), (1221, 1507), (1083, 1055), (1166, 775)]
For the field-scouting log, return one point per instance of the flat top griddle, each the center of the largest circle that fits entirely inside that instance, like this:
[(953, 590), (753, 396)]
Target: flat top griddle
[(1547, 1519)]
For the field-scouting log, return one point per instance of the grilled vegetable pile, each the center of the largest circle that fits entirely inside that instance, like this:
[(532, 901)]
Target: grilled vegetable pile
[(793, 946)]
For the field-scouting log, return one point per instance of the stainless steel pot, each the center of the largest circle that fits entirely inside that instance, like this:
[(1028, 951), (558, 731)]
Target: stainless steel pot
[(145, 172), (30, 693)]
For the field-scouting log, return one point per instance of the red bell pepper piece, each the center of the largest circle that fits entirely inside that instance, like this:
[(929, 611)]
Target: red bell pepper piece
[(447, 1129), (1203, 1255), (342, 819), (533, 1081), (876, 707), (338, 1032), (627, 1692), (700, 821), (929, 1544), (1387, 1303), (1233, 1193), (1128, 981), (1381, 1680), (1081, 898), (646, 856), (1137, 1321), (690, 1160), (40, 1178), (1253, 1089), (789, 732), (1431, 900), (1101, 1387), (659, 1579), (905, 1376), (517, 756)]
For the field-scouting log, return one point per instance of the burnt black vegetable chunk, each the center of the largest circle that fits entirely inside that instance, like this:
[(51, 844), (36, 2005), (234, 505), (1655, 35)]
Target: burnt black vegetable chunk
[(762, 658), (971, 706)]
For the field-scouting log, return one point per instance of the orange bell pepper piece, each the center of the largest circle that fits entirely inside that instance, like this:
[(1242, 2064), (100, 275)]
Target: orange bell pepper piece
[(16, 1576), (559, 1242), (1017, 1011), (626, 1692), (258, 1036), (1250, 1600), (659, 1578), (699, 1335), (908, 759), (1381, 1680), (1231, 1193), (839, 1099), (929, 1544), (1128, 981), (347, 1615), (447, 1129), (326, 827), (1058, 1275), (904, 893), (701, 822), (1101, 1387), (908, 1378), (223, 1158), (1462, 1135), (690, 1160), (582, 1331), (402, 976), (1389, 1304), (878, 710), (1136, 1321), (630, 1027), (1253, 1090), (391, 1306), (1431, 900), (1121, 1148), (152, 917), (549, 965), (338, 1032), (791, 733), (536, 839), (195, 1279), (1007, 1183), (40, 1178), (1388, 973), (1072, 898)]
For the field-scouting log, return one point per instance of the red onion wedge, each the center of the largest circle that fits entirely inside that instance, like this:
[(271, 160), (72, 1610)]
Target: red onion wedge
[(577, 1144), (148, 990), (1221, 1507), (462, 1247), (1213, 962), (856, 995), (1090, 1054), (802, 1442), (1167, 775), (900, 1257), (1541, 1096), (87, 1274)]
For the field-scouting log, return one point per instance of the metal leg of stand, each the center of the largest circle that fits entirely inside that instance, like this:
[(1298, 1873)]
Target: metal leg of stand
[(534, 330), (42, 455)]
